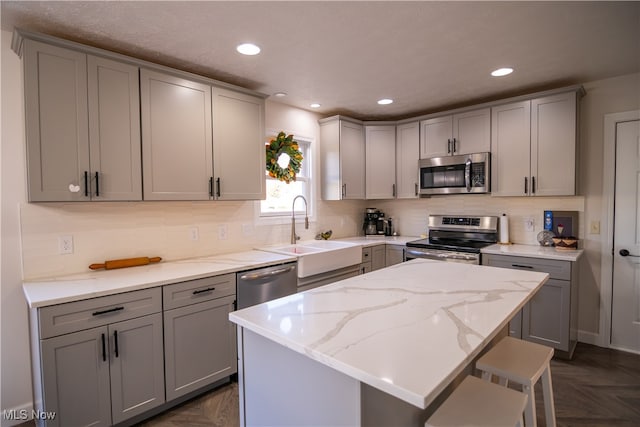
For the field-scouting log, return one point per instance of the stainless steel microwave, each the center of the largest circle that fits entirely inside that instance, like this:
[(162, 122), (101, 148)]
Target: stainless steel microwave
[(459, 174)]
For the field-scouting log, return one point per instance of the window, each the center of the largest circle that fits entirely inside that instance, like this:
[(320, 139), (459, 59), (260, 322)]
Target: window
[(280, 195)]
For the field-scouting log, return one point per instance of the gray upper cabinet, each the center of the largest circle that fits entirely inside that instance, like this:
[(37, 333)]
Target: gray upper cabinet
[(114, 130), (82, 125), (342, 152), (238, 146), (198, 142), (462, 133), (176, 137), (380, 154), (56, 122), (534, 147), (407, 155)]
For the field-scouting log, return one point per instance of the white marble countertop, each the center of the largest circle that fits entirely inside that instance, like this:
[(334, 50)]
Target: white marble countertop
[(533, 251), (366, 241), (407, 330), (58, 290)]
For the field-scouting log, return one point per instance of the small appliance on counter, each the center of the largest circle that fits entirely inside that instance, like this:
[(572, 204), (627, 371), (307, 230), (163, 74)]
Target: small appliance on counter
[(373, 224), (380, 224)]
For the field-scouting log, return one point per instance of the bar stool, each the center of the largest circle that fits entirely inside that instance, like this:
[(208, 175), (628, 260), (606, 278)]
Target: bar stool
[(522, 362), (479, 403)]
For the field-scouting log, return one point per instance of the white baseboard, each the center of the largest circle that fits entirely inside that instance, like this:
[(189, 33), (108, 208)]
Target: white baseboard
[(18, 415), (589, 338)]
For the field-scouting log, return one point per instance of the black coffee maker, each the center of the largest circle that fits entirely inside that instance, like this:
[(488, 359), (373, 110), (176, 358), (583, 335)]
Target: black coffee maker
[(370, 225)]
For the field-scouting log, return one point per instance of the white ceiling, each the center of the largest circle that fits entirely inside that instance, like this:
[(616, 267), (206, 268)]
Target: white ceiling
[(427, 56)]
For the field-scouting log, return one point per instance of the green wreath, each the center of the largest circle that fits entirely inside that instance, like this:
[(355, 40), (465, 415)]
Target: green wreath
[(283, 158)]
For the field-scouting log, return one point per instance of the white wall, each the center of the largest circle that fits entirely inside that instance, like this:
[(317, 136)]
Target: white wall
[(15, 369)]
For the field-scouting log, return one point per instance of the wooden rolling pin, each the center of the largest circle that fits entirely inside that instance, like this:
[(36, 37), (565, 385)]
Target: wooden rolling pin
[(126, 262)]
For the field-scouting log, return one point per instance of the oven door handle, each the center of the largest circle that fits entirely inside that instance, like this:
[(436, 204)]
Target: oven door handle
[(425, 254), (467, 174)]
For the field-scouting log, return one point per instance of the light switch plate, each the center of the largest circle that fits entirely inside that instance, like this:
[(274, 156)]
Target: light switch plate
[(594, 227)]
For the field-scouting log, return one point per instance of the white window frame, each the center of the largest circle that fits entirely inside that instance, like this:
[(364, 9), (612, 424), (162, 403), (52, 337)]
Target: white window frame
[(285, 217)]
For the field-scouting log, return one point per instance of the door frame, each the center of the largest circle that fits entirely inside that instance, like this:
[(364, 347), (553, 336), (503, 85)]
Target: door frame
[(608, 191)]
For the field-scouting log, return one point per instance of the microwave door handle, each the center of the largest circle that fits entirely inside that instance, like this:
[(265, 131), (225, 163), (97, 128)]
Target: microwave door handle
[(467, 174)]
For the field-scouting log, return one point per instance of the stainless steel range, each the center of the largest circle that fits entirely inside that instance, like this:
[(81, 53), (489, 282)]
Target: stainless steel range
[(455, 238)]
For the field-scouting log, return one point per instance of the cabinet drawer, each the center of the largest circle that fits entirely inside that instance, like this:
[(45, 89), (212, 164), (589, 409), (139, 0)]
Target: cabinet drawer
[(557, 269), (199, 290), (76, 316), (366, 254)]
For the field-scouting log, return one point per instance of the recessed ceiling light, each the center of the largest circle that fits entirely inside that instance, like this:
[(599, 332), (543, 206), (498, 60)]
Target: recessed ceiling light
[(315, 105), (248, 49), (501, 72), (385, 101), (280, 94)]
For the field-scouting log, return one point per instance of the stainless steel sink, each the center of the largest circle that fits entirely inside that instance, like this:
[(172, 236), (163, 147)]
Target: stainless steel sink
[(320, 256)]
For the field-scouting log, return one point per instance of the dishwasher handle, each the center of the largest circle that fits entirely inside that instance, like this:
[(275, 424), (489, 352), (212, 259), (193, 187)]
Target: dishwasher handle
[(262, 275)]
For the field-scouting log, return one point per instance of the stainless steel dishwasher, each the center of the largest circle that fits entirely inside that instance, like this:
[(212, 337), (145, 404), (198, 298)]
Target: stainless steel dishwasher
[(264, 284)]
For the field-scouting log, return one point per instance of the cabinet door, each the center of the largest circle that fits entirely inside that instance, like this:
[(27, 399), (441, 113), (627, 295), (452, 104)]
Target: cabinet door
[(435, 136), (545, 318), (331, 185), (472, 132), (407, 155), (380, 171), (75, 371), (114, 130), (553, 145), (176, 137), (394, 255), (378, 257), (352, 160), (199, 345), (55, 81), (510, 145), (137, 366), (238, 146)]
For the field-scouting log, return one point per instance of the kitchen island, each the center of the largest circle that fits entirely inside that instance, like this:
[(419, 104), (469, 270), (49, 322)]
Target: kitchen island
[(378, 349)]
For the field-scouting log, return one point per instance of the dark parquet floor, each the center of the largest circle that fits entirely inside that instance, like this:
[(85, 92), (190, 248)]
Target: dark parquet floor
[(598, 388)]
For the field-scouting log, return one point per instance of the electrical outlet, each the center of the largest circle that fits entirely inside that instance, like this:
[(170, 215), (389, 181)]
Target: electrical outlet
[(222, 232), (528, 224), (65, 245), (595, 227), (247, 229), (193, 232)]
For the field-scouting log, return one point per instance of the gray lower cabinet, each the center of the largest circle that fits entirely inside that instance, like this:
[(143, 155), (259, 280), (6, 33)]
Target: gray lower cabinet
[(99, 361), (550, 317), (380, 256), (82, 126), (199, 339), (394, 255), (373, 258)]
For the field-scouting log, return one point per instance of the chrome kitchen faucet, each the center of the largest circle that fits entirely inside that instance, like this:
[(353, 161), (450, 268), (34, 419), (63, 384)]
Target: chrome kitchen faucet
[(294, 236)]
